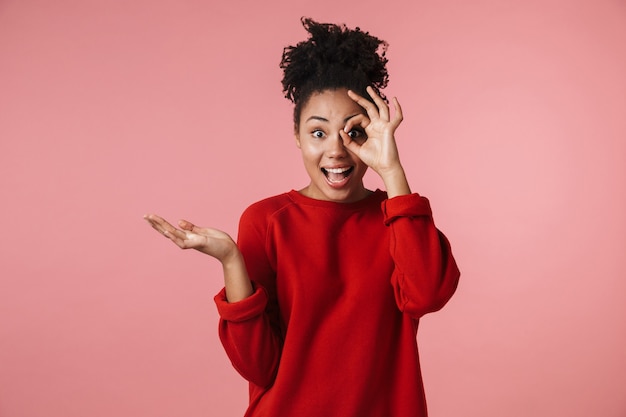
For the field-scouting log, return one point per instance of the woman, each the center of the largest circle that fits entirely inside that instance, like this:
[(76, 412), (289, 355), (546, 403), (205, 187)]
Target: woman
[(325, 286)]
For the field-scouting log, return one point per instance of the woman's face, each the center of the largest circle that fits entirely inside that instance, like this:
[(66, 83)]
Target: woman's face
[(336, 173)]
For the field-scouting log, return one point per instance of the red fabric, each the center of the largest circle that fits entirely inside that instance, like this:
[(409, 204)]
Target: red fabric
[(331, 328)]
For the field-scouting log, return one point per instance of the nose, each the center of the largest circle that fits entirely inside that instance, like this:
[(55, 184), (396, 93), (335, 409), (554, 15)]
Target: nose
[(335, 147)]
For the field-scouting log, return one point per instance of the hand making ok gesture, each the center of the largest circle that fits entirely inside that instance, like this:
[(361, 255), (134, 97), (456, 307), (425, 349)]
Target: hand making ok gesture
[(379, 151)]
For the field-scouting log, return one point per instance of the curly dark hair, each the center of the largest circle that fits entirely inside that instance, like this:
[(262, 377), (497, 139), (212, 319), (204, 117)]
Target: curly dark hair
[(333, 57)]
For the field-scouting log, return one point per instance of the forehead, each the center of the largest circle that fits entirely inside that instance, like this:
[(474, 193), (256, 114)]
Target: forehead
[(330, 105)]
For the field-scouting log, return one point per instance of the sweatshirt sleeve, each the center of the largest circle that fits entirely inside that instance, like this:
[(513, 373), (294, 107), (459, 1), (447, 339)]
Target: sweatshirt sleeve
[(425, 274), (249, 329)]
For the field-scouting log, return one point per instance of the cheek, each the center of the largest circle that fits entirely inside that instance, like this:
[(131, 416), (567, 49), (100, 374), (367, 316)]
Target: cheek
[(306, 146), (310, 153)]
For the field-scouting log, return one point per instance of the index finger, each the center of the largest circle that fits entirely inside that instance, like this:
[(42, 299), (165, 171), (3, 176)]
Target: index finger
[(378, 108), (371, 109)]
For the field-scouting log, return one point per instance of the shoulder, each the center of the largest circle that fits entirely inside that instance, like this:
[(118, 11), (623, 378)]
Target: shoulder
[(266, 208)]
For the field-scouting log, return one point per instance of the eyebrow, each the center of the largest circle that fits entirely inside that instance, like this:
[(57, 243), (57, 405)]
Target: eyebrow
[(322, 119)]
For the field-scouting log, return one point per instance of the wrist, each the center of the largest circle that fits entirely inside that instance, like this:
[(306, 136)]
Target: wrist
[(236, 281), (395, 181), (233, 263)]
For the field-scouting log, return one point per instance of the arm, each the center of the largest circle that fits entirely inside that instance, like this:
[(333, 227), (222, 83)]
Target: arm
[(425, 274), (249, 330), (247, 334), (244, 330)]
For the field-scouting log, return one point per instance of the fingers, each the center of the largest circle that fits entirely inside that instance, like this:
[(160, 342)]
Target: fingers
[(159, 224), (187, 225), (213, 242), (383, 109), (374, 110), (398, 117), (370, 108), (179, 238), (350, 144), (358, 120), (379, 108)]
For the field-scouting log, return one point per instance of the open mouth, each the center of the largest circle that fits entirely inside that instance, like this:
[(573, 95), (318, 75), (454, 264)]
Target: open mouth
[(337, 176)]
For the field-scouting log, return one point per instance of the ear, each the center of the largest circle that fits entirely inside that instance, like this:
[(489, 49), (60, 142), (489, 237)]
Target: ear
[(297, 136)]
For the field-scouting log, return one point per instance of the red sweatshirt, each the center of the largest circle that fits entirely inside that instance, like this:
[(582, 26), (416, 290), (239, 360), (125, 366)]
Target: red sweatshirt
[(339, 288)]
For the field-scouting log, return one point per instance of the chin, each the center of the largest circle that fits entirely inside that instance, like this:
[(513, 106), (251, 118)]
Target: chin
[(344, 195)]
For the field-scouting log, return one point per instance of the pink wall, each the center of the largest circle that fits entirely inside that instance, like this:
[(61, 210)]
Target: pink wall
[(515, 128)]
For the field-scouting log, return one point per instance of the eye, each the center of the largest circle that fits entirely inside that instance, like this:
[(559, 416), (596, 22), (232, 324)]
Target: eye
[(356, 134), (317, 134)]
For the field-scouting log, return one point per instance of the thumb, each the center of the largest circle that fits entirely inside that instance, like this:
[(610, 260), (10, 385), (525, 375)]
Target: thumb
[(185, 225), (348, 143)]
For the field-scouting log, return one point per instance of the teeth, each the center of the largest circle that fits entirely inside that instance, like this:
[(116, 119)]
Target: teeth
[(337, 170)]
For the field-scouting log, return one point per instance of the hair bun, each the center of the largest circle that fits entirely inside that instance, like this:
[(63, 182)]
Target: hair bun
[(333, 57)]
